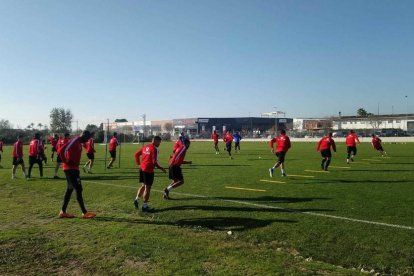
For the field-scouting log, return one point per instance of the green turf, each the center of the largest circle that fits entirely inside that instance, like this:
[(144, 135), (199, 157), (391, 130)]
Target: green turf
[(278, 231)]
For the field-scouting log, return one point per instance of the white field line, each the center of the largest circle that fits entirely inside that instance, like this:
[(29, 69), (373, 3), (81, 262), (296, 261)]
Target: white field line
[(272, 181), (268, 207), (338, 167), (316, 171), (376, 160), (245, 189), (305, 176)]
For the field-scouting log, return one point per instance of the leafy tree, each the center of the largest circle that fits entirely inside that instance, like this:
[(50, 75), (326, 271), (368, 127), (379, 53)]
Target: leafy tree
[(5, 124), (362, 112), (121, 120), (60, 120), (168, 127)]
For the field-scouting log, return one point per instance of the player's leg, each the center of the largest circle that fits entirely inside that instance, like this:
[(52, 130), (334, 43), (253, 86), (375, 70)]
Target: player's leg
[(40, 163), (66, 198), (32, 160)]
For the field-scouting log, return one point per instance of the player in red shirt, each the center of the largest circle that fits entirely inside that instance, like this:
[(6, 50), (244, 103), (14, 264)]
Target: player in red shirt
[(53, 141), (147, 159), (174, 170), (215, 138), (35, 150), (90, 152), (61, 142), (350, 141), (376, 144), (228, 139), (324, 146), (113, 143), (18, 156), (70, 154), (282, 146), (1, 150)]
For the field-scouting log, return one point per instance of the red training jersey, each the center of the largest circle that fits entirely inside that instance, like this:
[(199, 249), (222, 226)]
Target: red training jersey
[(61, 142), (179, 154), (89, 146), (149, 158), (177, 144), (18, 149), (351, 140), (34, 147), (228, 138), (70, 153), (53, 141), (282, 143), (376, 142), (113, 144), (326, 143), (215, 137)]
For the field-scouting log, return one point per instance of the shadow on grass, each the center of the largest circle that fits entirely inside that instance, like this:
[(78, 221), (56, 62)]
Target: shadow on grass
[(218, 223), (109, 177), (262, 199), (218, 165)]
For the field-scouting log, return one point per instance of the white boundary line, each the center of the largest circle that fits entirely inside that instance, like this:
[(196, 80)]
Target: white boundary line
[(268, 207)]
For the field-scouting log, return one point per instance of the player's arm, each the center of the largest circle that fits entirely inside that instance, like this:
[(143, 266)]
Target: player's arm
[(333, 146), (271, 145), (157, 165), (187, 162), (137, 157), (318, 146)]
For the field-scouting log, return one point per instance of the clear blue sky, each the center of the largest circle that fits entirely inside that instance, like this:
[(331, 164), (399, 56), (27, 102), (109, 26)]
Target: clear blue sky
[(172, 59)]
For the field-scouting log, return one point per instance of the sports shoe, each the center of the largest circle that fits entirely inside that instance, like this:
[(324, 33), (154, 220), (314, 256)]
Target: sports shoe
[(88, 215), (166, 194), (147, 209), (271, 172), (136, 203), (56, 177), (347, 161), (65, 215), (13, 177), (84, 169), (284, 175)]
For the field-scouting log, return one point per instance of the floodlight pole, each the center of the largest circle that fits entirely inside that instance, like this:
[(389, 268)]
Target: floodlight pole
[(106, 144), (275, 119)]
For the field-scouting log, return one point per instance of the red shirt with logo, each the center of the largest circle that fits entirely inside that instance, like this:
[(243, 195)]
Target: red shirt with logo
[(215, 137), (351, 140), (70, 153), (282, 143), (61, 142), (179, 154), (147, 158), (18, 149), (89, 146), (113, 144), (326, 143), (34, 147), (376, 142), (228, 138)]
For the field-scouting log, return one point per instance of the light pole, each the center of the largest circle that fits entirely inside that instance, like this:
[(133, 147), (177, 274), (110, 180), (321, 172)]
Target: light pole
[(275, 119), (406, 110)]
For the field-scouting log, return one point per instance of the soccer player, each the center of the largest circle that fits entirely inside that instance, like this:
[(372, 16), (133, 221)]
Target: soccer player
[(61, 142), (18, 157), (324, 146), (42, 150), (35, 149), (1, 150), (376, 144), (215, 138), (350, 141), (113, 143), (149, 155), (90, 152), (174, 170), (228, 139), (282, 146), (70, 154), (237, 138), (53, 141)]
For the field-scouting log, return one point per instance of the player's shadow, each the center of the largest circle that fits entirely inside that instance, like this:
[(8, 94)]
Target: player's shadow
[(362, 170), (218, 165), (109, 177), (261, 199)]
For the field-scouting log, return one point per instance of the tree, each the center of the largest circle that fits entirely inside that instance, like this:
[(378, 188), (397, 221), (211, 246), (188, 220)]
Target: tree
[(121, 120), (60, 120), (362, 112), (5, 124), (168, 127)]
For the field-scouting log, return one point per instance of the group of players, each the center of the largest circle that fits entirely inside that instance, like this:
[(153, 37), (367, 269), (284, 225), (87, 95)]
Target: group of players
[(69, 154)]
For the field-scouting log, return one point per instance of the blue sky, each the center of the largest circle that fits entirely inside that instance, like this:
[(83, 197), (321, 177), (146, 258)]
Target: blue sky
[(173, 59)]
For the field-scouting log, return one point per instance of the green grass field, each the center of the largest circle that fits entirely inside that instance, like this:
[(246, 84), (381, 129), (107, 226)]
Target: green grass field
[(312, 222)]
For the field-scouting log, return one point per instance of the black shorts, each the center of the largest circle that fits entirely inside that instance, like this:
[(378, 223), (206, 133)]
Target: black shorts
[(35, 160), (236, 144), (228, 147), (281, 156), (73, 180), (351, 150), (379, 148), (113, 154), (54, 149), (17, 161), (91, 156), (175, 173), (146, 178), (326, 153), (58, 159)]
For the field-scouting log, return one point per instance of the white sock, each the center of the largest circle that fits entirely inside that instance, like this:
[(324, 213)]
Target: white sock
[(169, 188), (283, 171), (136, 198)]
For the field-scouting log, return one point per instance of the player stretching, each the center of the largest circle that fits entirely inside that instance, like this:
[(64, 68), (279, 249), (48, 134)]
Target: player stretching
[(174, 170), (350, 141), (53, 141), (228, 139), (324, 146), (215, 138), (282, 147), (112, 149), (149, 156), (376, 144)]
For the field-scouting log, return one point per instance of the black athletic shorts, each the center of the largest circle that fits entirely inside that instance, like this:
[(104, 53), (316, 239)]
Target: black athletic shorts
[(34, 160), (351, 149), (379, 148), (228, 147), (146, 178), (18, 161), (281, 156), (91, 156), (58, 159), (175, 173), (326, 153), (113, 154), (73, 180)]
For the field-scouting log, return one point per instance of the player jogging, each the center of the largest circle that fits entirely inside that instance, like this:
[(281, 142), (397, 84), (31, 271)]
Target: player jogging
[(324, 146), (376, 144), (70, 154), (112, 149), (174, 170), (237, 138), (147, 159), (215, 138), (282, 146), (53, 141), (35, 150), (350, 141), (18, 157), (228, 139), (90, 152)]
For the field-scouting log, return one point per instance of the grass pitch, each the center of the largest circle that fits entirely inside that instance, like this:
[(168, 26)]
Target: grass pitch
[(357, 216)]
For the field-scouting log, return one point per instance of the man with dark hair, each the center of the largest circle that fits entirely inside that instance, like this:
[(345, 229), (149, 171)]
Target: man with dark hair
[(228, 139), (61, 142), (215, 138), (174, 170), (53, 141), (113, 143), (147, 159), (18, 157), (35, 150), (70, 153), (282, 146), (350, 141), (90, 152), (324, 146), (376, 144)]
